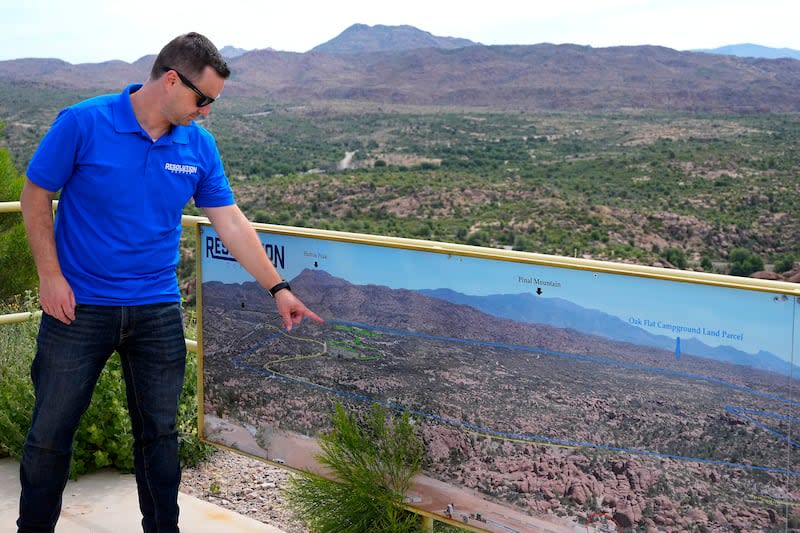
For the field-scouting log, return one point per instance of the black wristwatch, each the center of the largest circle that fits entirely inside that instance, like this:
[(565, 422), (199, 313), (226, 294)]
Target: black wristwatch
[(279, 287)]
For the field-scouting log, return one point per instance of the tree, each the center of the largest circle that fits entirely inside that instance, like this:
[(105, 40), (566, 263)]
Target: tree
[(17, 269), (784, 263), (675, 256), (743, 262)]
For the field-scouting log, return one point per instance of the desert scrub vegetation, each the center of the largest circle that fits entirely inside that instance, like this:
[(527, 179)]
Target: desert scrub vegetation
[(104, 435)]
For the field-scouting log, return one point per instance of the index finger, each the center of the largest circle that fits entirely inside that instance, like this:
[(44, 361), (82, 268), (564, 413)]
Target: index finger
[(313, 316)]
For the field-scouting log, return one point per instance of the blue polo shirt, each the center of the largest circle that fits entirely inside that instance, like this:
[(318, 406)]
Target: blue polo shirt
[(118, 223)]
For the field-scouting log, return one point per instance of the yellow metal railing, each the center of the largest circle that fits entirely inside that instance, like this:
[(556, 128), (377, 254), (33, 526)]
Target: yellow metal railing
[(10, 207), (13, 318)]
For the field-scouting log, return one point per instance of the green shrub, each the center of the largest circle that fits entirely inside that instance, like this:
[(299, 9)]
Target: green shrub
[(17, 344), (675, 256), (17, 269), (743, 262), (104, 435), (784, 263), (373, 457), (478, 238)]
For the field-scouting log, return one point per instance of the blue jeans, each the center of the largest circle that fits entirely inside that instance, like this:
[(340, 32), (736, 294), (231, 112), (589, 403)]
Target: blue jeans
[(68, 362)]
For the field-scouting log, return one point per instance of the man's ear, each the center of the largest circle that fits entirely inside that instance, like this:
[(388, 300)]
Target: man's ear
[(169, 78)]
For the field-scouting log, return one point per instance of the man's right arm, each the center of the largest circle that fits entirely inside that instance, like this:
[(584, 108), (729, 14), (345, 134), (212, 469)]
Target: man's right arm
[(55, 294)]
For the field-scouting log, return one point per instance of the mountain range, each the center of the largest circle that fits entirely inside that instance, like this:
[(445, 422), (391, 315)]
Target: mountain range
[(565, 314), (404, 65), (754, 50)]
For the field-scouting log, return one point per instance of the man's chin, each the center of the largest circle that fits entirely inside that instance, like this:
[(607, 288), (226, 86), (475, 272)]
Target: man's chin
[(189, 119)]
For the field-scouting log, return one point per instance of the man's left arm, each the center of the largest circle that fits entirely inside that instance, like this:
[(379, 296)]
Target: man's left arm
[(242, 241)]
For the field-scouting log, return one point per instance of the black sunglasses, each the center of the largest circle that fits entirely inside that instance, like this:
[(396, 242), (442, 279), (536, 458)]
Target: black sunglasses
[(202, 99)]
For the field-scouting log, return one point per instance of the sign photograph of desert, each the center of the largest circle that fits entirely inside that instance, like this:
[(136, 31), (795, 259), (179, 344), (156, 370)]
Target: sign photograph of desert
[(547, 398)]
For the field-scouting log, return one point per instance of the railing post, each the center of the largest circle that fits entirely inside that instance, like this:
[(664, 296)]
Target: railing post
[(427, 524)]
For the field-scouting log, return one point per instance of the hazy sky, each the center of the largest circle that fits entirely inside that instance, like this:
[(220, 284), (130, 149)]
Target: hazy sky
[(88, 31)]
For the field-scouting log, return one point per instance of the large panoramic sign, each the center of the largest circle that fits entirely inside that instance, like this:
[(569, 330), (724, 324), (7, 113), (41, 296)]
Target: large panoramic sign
[(551, 394)]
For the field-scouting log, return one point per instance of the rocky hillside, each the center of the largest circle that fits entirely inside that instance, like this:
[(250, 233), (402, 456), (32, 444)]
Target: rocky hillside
[(408, 66)]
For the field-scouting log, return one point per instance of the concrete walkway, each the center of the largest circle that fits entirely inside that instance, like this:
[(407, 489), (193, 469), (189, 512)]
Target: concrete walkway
[(106, 502)]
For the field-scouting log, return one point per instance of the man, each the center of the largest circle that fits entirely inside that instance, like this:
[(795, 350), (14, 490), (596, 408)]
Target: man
[(126, 165)]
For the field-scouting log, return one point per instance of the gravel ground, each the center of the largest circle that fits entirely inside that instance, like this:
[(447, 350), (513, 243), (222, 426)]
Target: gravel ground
[(244, 485)]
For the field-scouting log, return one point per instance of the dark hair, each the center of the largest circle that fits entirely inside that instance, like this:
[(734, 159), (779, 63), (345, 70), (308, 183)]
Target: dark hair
[(189, 54)]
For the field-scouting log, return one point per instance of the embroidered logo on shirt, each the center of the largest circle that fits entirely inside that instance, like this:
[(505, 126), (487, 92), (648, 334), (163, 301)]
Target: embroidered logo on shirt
[(180, 169)]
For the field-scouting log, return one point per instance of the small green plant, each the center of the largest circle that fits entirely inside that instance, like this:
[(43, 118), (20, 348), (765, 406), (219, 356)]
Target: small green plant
[(104, 436), (214, 488), (372, 457)]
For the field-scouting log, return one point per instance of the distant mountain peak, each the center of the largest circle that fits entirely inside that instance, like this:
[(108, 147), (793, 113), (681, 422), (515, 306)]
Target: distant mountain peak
[(753, 50), (364, 39), (230, 52)]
